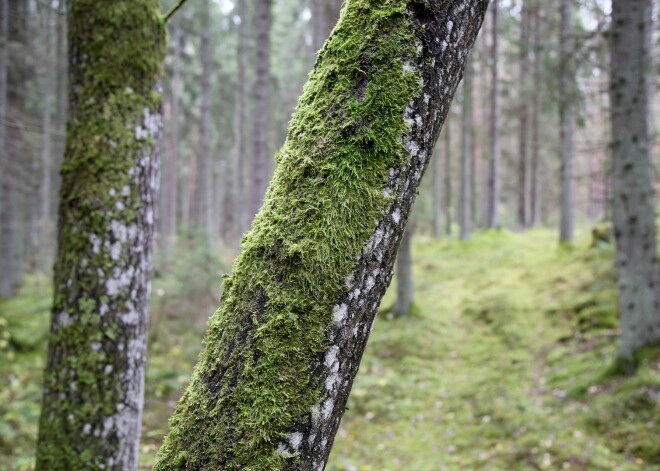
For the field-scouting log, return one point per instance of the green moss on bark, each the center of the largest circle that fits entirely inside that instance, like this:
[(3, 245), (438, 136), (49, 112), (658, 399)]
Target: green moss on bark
[(116, 54), (255, 377)]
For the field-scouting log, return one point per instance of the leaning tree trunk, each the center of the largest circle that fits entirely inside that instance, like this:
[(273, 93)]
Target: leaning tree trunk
[(94, 377), (634, 215), (566, 96), (282, 351)]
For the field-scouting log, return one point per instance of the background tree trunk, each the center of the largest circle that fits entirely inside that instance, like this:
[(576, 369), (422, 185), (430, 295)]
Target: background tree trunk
[(465, 197), (242, 198), (261, 97), (524, 180), (492, 217), (566, 96), (94, 378), (535, 187), (447, 163), (282, 351), (437, 192), (405, 291), (634, 215)]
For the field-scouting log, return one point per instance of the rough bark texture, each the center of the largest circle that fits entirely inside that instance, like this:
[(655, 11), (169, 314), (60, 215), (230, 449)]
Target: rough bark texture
[(94, 376), (404, 276), (492, 214), (467, 121), (634, 215), (566, 94), (282, 351), (261, 99)]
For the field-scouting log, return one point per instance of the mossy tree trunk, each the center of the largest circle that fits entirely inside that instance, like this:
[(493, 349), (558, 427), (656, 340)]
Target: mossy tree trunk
[(282, 351), (634, 215), (93, 383)]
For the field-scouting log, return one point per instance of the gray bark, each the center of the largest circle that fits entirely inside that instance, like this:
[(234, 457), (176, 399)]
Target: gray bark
[(566, 96), (492, 215), (206, 165), (405, 292), (524, 167), (283, 350), (239, 186), (438, 217), (535, 216), (467, 157), (261, 107), (448, 187), (634, 215)]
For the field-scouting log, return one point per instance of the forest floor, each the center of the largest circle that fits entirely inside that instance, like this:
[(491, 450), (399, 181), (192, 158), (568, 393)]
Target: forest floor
[(504, 364)]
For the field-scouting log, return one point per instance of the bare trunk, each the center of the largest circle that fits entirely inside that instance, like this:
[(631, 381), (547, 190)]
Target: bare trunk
[(448, 187), (405, 293), (436, 165), (239, 187), (536, 112), (261, 97), (634, 215), (206, 168), (465, 198), (45, 187), (493, 217), (282, 352), (566, 94), (524, 180)]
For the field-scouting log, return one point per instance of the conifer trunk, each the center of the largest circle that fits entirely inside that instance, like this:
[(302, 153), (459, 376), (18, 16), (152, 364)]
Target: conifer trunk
[(566, 94), (283, 350), (634, 215), (493, 188), (467, 156), (93, 382)]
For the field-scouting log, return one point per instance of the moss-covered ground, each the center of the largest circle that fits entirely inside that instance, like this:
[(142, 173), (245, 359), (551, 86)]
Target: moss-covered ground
[(504, 365)]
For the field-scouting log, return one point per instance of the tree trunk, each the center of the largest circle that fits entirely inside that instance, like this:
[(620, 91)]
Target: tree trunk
[(45, 187), (634, 215), (405, 294), (566, 94), (261, 97), (448, 189), (535, 194), (465, 197), (206, 166), (492, 216), (7, 284), (239, 187), (282, 351), (93, 392), (438, 217), (524, 181)]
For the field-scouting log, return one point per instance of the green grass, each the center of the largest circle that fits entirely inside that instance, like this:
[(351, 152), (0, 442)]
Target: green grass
[(504, 365)]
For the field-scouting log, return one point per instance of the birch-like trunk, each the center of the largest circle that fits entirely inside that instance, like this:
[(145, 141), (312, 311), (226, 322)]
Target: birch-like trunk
[(634, 215), (94, 378), (282, 352)]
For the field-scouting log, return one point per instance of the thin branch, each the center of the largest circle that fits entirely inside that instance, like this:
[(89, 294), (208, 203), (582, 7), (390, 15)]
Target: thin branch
[(173, 10)]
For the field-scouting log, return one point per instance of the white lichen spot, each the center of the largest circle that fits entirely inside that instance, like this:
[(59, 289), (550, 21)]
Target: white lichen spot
[(150, 216), (108, 369), (120, 206), (64, 320), (115, 251), (96, 243), (125, 191), (339, 312), (413, 148), (87, 428), (96, 346), (396, 216), (450, 26), (327, 408), (370, 283), (295, 440), (408, 67)]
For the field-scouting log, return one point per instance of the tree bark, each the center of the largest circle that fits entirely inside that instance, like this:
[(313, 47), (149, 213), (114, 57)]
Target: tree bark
[(448, 186), (239, 188), (566, 94), (634, 215), (465, 197), (93, 382), (492, 216), (535, 193), (206, 166), (405, 294), (524, 181), (261, 97), (282, 351), (438, 217)]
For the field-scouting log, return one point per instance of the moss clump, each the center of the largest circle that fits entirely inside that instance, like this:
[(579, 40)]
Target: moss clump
[(255, 377)]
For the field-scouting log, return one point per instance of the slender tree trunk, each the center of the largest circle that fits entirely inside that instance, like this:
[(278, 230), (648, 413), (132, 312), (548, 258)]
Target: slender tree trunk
[(405, 292), (206, 166), (45, 188), (283, 350), (261, 97), (536, 112), (447, 185), (524, 181), (94, 378), (634, 215), (438, 216), (465, 198), (493, 217), (566, 96), (242, 206)]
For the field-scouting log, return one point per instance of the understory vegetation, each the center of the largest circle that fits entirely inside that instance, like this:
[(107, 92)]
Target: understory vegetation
[(504, 364)]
